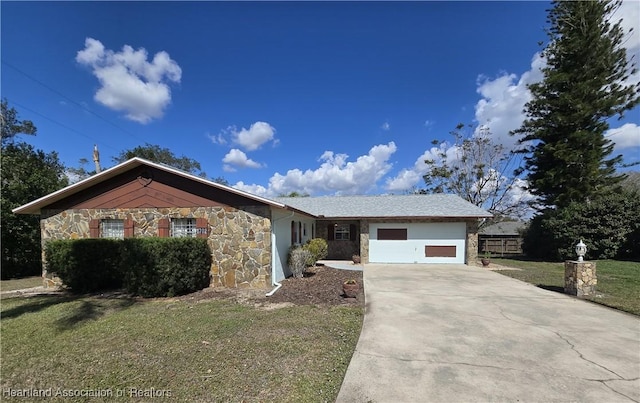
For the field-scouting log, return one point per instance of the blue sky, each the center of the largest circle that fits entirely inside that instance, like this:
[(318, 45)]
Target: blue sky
[(323, 98)]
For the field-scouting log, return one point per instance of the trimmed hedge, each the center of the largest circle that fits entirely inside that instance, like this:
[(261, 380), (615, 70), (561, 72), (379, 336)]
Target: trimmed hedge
[(149, 267), (86, 265), (166, 266)]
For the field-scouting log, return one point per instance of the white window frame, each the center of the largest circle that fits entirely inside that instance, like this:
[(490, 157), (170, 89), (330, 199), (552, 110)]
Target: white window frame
[(342, 232), (113, 229), (183, 227)]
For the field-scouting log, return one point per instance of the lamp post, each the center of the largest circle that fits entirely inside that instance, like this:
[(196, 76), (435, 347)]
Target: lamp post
[(581, 249)]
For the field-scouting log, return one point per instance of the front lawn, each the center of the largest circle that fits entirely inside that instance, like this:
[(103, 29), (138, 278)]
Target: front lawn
[(196, 351), (618, 281), (20, 283)]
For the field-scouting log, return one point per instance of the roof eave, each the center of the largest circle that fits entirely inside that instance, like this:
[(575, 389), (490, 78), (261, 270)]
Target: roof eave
[(456, 217)]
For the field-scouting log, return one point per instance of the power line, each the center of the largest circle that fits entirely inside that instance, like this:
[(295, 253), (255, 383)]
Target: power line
[(70, 100), (63, 125)]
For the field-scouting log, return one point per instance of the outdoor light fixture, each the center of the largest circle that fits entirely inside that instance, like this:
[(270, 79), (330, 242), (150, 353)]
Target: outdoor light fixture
[(581, 249)]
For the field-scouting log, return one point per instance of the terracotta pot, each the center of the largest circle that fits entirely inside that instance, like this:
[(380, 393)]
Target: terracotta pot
[(351, 290), (356, 259), (485, 261)]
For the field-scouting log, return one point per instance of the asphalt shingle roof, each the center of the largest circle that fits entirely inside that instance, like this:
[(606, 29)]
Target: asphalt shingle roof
[(390, 206)]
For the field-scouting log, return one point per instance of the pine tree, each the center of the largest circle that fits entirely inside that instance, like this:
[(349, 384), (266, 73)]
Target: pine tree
[(568, 157)]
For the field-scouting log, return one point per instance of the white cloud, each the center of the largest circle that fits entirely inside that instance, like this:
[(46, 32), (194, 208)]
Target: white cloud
[(386, 126), (503, 99), (253, 138), (335, 175), (629, 13), (128, 81), (219, 139), (237, 158), (625, 136), (407, 178), (258, 190)]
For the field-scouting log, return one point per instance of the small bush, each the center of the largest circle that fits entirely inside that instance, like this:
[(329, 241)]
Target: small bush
[(318, 249), (86, 265), (150, 267), (297, 260)]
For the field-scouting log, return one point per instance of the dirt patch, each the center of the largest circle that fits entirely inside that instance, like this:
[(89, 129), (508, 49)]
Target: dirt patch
[(320, 285)]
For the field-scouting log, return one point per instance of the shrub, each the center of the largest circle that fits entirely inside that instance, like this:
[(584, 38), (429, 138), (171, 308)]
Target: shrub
[(608, 226), (150, 267), (86, 265), (157, 267), (297, 260), (318, 249)]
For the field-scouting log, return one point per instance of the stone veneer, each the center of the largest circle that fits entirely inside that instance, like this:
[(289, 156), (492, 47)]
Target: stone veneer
[(240, 239), (472, 242), (580, 278)]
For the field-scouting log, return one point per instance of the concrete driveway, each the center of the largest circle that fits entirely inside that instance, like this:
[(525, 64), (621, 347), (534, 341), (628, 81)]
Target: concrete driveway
[(453, 333)]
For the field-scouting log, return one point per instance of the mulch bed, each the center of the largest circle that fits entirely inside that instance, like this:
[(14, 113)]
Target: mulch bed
[(320, 285)]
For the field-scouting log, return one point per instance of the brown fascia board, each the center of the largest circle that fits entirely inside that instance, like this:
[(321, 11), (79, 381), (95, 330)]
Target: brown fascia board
[(35, 206)]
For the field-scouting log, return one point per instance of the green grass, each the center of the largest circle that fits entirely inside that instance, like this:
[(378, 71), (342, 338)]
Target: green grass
[(618, 281), (203, 351), (20, 283)]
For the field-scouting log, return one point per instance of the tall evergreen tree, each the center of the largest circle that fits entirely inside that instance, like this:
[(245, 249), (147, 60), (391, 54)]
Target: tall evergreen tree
[(567, 156)]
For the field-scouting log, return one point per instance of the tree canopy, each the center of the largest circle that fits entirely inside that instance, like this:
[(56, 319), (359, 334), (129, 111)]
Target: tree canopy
[(27, 174), (568, 157), (161, 155), (479, 170), (11, 125)]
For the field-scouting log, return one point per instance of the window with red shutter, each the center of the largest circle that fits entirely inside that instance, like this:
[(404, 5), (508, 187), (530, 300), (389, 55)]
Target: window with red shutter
[(128, 228), (202, 228), (163, 228), (94, 228)]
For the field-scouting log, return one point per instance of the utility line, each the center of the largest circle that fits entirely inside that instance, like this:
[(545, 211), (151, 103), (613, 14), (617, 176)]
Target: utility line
[(63, 125), (70, 100)]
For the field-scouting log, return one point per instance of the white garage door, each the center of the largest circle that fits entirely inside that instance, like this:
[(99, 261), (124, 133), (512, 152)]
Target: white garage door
[(417, 242)]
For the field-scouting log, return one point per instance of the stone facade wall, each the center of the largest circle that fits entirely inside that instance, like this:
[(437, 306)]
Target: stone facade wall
[(364, 241), (472, 242), (240, 239), (580, 278)]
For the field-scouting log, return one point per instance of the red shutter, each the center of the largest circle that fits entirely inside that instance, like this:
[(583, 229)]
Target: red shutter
[(94, 228), (202, 228), (128, 228), (330, 232), (352, 232), (163, 228)]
